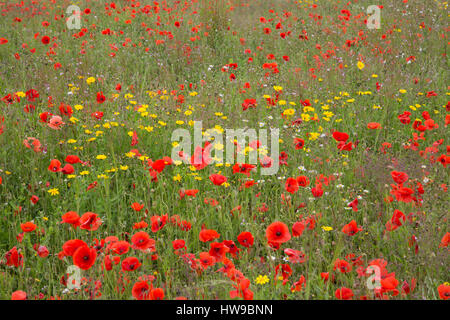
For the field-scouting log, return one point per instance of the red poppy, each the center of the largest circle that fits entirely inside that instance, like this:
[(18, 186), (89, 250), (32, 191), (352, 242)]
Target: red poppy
[(351, 229), (68, 169), (90, 221), (14, 258), (300, 284), (142, 241), (71, 217), (278, 233), (245, 239), (55, 166), (342, 265), (445, 240), (208, 235), (120, 247), (303, 181), (299, 143), (130, 264), (34, 199), (373, 125), (291, 185), (70, 246), (72, 159), (84, 257), (295, 256), (158, 222), (218, 179), (141, 290), (444, 291), (28, 227), (206, 260), (218, 250), (399, 177), (137, 206), (157, 294), (344, 293), (100, 97), (298, 228), (45, 39), (340, 136), (19, 295)]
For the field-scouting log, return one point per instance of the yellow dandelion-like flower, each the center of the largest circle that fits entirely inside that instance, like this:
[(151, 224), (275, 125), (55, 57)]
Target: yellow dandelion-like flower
[(101, 157), (90, 80), (262, 279), (53, 191), (360, 65)]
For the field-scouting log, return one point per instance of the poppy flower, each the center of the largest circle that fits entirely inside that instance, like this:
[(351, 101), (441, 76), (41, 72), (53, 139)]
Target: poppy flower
[(291, 185), (84, 257), (130, 264), (208, 235), (399, 177), (218, 250), (28, 227), (340, 136), (55, 165), (71, 217), (218, 179), (70, 246), (344, 293), (100, 97), (34, 199), (72, 159), (342, 266), (373, 125), (67, 169), (278, 232), (137, 206), (90, 221), (242, 290), (157, 294), (249, 103), (295, 256), (317, 191), (14, 258), (298, 228), (45, 39), (19, 295), (141, 290), (120, 247), (444, 291), (299, 143), (158, 222), (445, 240), (245, 239), (142, 241), (303, 181), (351, 228), (233, 249), (55, 122), (300, 284), (354, 205), (42, 251), (206, 259)]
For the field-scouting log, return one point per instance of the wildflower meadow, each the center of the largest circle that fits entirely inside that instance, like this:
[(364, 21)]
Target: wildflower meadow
[(224, 149)]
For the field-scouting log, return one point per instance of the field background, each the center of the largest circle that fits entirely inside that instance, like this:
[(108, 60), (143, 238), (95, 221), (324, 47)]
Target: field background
[(172, 75)]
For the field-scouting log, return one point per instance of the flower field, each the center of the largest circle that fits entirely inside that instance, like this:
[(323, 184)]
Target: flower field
[(224, 149)]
